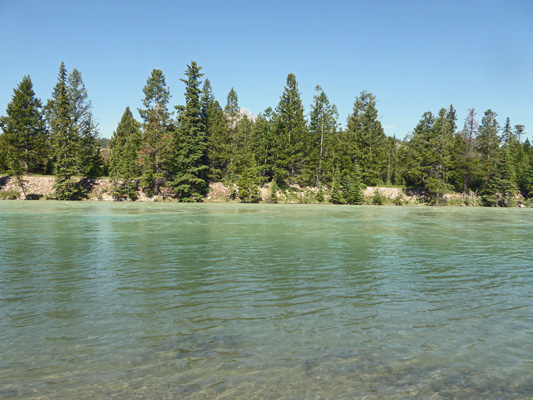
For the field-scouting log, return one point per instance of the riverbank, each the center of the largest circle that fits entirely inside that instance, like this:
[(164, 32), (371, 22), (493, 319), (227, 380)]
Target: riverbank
[(38, 187)]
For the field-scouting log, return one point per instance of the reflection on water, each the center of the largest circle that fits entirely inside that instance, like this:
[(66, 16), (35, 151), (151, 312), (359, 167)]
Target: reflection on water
[(104, 300)]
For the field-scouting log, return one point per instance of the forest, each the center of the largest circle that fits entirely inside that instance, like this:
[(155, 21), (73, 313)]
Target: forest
[(176, 151)]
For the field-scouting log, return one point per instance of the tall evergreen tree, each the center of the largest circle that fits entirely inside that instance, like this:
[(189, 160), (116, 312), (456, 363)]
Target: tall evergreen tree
[(488, 144), (290, 132), (191, 173), (216, 128), (65, 140), (25, 137), (367, 139), (124, 148), (322, 128), (90, 161), (429, 153), (265, 144), (156, 147), (353, 187), (502, 186), (468, 162)]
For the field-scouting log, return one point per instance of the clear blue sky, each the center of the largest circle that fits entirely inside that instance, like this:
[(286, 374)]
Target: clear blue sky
[(414, 56)]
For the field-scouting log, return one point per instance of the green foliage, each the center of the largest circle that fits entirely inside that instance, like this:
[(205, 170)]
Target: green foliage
[(366, 142), (9, 195), (488, 145), (353, 187), (378, 198), (273, 192), (336, 190), (24, 140), (248, 191), (124, 148), (90, 162), (289, 133), (66, 141), (157, 136), (319, 145), (502, 186), (191, 172)]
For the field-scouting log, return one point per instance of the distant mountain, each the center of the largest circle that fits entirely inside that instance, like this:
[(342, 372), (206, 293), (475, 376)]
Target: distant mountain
[(248, 113)]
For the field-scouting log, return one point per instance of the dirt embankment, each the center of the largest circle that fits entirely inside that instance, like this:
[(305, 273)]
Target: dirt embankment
[(42, 187)]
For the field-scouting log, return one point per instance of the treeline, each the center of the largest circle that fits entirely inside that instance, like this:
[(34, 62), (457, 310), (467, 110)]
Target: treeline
[(176, 151)]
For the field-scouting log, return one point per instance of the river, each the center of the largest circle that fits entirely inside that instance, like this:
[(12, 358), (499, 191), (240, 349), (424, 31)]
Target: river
[(216, 301)]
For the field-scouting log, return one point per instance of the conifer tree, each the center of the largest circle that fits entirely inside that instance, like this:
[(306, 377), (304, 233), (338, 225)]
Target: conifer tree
[(124, 148), (353, 187), (290, 132), (336, 189), (66, 141), (367, 140), (322, 128), (25, 137), (466, 160), (156, 147), (502, 186), (232, 114), (247, 184), (216, 128), (191, 173), (488, 144), (273, 192), (265, 144), (90, 161)]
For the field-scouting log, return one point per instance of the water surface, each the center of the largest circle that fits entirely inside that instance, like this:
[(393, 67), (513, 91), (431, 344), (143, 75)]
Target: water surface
[(216, 301)]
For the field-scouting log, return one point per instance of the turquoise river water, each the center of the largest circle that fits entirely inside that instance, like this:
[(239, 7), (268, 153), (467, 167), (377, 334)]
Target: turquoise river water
[(230, 301)]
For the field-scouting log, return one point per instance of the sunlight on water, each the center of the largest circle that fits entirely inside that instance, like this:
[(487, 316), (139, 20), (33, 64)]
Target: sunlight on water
[(109, 300)]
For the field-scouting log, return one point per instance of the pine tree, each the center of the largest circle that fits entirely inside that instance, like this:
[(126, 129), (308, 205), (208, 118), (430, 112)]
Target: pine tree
[(265, 144), (90, 161), (215, 125), (66, 141), (336, 189), (466, 160), (191, 173), (322, 128), (156, 147), (273, 192), (248, 191), (124, 148), (488, 144), (25, 137), (290, 133), (502, 186), (367, 139), (232, 114), (353, 187)]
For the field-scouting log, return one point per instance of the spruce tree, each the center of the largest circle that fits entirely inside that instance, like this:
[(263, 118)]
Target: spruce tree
[(191, 173), (124, 148), (290, 132), (25, 137), (367, 139), (336, 189), (215, 124), (66, 141), (322, 128), (488, 144), (353, 187), (157, 140), (502, 186), (466, 159), (90, 161), (247, 184)]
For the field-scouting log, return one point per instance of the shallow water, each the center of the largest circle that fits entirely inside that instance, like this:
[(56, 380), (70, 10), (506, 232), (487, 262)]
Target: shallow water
[(215, 301)]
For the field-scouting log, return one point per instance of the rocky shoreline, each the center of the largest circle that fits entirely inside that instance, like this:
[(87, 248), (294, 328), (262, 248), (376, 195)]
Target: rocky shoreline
[(39, 187)]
